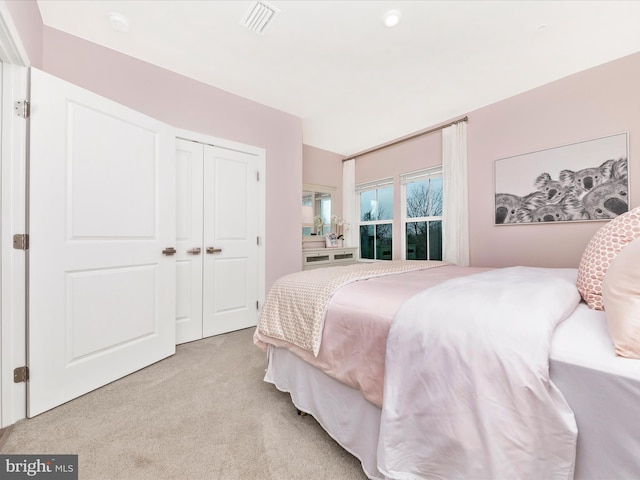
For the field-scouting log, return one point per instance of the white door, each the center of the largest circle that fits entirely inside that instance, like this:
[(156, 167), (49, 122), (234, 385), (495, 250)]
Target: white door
[(101, 211), (189, 186), (217, 212), (230, 279)]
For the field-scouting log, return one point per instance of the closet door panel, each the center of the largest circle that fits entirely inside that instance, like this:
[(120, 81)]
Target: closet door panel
[(230, 276), (230, 279), (189, 218)]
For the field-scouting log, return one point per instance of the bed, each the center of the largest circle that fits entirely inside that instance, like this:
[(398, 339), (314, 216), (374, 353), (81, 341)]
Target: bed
[(413, 398)]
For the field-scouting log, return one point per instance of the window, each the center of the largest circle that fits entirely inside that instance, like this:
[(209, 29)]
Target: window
[(422, 214), (376, 219)]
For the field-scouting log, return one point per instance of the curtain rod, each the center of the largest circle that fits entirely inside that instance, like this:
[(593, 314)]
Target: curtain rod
[(411, 137)]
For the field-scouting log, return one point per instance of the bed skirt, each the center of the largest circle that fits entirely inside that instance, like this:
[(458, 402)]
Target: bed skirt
[(342, 411)]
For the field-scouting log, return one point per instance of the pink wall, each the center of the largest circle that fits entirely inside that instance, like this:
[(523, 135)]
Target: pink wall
[(27, 19), (191, 105), (187, 104), (322, 167), (591, 104)]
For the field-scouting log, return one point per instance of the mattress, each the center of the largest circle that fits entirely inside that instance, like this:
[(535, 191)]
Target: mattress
[(603, 391)]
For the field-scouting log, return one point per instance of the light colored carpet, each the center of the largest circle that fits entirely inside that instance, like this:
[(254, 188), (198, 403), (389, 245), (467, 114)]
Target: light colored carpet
[(204, 413)]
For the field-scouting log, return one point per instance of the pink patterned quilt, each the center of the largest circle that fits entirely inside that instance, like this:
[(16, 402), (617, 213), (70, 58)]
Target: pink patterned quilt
[(297, 303)]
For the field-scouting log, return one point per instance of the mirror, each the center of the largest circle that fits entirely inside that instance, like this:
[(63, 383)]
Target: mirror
[(316, 202)]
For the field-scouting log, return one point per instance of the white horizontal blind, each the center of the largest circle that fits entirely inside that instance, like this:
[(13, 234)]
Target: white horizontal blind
[(420, 174), (385, 182)]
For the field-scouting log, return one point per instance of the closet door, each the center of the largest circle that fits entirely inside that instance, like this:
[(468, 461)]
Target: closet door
[(230, 258), (101, 213), (189, 156)]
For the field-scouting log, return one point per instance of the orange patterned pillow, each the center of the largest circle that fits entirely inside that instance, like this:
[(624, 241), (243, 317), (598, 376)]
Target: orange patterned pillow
[(600, 252)]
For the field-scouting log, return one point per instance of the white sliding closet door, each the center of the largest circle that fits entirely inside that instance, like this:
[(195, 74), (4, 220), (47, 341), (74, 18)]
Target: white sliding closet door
[(102, 210), (218, 214)]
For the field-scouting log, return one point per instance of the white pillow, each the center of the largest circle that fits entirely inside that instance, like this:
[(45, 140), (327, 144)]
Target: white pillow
[(621, 296)]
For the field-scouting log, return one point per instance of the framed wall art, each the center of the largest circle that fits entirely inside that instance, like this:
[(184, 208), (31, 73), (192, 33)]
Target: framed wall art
[(578, 182)]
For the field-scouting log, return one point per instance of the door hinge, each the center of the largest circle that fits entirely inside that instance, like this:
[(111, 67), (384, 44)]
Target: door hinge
[(21, 241), (257, 305), (258, 240), (258, 175), (22, 108), (21, 374)]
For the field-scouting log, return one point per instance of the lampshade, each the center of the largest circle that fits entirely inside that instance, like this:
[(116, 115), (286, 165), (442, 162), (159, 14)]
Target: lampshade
[(307, 215)]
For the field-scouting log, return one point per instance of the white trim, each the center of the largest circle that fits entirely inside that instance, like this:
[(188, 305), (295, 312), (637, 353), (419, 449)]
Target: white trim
[(375, 223), (367, 187), (261, 157), (311, 187), (405, 179), (218, 142), (403, 216), (13, 403), (385, 182), (13, 396), (420, 174), (11, 48)]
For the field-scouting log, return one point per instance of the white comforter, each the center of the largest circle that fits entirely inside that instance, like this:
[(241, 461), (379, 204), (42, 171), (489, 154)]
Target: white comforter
[(467, 393)]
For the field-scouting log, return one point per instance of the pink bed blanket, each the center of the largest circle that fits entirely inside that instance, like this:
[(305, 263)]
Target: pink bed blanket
[(357, 323)]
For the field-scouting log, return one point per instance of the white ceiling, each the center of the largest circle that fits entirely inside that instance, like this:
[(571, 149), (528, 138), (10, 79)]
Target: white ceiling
[(354, 82)]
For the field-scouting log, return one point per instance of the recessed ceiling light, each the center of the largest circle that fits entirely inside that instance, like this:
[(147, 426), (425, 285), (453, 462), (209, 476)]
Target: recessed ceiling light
[(391, 18), (118, 21)]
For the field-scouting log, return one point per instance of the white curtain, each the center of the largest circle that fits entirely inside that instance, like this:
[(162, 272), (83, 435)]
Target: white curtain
[(455, 206), (349, 202)]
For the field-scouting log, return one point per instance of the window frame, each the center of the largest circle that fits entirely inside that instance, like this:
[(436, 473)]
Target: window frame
[(405, 179), (367, 187)]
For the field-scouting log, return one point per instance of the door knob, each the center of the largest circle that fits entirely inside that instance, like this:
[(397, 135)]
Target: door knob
[(169, 251), (213, 250), (194, 251)]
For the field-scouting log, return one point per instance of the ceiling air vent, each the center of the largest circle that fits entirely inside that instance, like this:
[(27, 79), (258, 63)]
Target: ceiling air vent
[(259, 16)]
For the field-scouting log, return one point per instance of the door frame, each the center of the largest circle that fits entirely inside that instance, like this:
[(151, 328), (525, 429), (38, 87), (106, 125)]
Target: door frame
[(13, 208), (261, 157)]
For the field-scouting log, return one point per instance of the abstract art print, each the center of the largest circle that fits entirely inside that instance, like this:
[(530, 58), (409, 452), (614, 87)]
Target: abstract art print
[(578, 182)]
